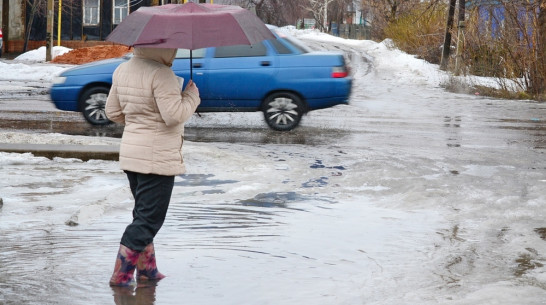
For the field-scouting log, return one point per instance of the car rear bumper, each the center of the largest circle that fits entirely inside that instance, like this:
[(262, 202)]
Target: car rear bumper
[(314, 104), (341, 94)]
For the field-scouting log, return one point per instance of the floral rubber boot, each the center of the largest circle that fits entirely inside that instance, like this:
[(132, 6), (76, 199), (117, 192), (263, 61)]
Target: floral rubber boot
[(146, 266), (124, 270)]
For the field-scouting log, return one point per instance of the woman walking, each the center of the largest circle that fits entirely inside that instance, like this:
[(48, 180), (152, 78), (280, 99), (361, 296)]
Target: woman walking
[(146, 97)]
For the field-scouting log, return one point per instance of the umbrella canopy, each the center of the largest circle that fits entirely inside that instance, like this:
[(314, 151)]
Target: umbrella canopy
[(190, 26)]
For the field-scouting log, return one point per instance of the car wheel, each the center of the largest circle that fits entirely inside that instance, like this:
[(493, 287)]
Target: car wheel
[(92, 105), (283, 110)]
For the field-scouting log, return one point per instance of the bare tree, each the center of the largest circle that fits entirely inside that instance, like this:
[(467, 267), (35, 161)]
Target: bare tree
[(510, 45), (389, 10), (37, 8), (523, 39), (385, 12), (319, 10), (284, 12), (276, 12), (338, 9)]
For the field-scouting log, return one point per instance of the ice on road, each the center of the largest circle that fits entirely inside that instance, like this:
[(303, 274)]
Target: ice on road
[(420, 197)]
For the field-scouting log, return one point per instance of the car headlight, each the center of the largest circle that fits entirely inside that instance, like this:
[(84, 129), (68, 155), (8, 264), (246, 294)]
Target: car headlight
[(57, 80)]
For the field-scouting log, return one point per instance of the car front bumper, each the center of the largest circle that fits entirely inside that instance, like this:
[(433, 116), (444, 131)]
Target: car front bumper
[(65, 97)]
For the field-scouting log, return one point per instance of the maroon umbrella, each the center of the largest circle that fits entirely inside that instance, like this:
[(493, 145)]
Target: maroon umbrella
[(190, 26)]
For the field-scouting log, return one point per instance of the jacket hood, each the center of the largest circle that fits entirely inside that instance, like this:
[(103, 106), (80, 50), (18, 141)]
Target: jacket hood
[(164, 56)]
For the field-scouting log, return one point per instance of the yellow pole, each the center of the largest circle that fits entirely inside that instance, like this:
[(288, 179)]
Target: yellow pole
[(59, 23)]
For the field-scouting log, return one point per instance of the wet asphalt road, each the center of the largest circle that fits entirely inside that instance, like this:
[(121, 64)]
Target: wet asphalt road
[(477, 162), (34, 112)]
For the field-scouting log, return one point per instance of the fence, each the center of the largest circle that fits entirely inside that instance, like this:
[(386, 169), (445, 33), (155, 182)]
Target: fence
[(352, 31)]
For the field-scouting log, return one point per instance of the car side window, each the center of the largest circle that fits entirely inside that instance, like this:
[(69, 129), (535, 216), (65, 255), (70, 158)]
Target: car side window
[(184, 53), (258, 49), (280, 47)]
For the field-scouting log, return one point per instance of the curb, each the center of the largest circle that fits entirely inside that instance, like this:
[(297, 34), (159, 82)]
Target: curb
[(83, 152)]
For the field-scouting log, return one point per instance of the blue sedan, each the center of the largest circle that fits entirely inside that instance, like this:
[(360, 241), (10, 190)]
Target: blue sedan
[(280, 77)]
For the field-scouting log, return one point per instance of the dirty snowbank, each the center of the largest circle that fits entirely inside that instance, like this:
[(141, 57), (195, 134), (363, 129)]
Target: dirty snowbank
[(54, 138)]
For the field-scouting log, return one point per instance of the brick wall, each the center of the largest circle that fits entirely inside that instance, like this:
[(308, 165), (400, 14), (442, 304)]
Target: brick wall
[(16, 46)]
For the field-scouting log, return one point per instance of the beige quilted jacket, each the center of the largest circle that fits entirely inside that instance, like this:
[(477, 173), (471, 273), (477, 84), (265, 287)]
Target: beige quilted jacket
[(146, 97)]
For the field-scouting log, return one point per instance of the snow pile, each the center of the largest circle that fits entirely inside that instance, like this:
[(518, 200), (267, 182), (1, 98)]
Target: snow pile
[(14, 71), (54, 138), (402, 67), (39, 54)]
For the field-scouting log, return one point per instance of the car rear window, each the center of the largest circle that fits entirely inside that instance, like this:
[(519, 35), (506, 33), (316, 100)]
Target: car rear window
[(300, 46), (280, 47), (292, 42), (258, 49)]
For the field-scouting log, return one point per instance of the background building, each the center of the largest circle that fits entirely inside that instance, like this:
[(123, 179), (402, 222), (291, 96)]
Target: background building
[(83, 22)]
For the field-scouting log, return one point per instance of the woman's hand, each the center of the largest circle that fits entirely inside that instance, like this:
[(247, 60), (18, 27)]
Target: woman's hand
[(191, 87)]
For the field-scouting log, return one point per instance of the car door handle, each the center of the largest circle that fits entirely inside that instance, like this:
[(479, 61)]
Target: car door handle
[(197, 65), (265, 63)]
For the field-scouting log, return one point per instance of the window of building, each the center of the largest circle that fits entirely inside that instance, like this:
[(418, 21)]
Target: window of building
[(121, 10), (91, 12)]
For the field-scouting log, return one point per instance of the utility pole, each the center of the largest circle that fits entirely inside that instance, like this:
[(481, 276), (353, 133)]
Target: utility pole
[(49, 29), (447, 39), (460, 37), (59, 14), (5, 24), (542, 44)]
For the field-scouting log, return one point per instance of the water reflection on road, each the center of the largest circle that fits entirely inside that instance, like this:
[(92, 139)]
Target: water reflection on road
[(72, 123)]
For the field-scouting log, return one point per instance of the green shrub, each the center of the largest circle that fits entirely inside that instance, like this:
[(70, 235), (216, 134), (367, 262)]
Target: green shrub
[(420, 31)]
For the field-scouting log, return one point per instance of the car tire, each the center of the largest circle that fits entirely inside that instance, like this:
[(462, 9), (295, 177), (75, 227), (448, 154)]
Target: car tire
[(283, 110), (93, 103)]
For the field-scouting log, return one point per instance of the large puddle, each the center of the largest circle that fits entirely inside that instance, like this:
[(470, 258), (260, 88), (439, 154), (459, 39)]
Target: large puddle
[(410, 195)]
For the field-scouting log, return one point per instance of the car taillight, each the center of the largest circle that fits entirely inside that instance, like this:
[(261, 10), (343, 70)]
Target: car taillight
[(339, 72)]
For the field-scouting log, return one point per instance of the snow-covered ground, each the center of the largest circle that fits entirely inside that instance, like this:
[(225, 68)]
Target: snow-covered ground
[(420, 197)]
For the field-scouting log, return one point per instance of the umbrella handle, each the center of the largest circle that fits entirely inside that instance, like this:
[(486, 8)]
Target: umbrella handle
[(191, 65)]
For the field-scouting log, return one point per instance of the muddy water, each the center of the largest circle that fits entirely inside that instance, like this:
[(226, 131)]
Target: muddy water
[(410, 195), (60, 234), (441, 204)]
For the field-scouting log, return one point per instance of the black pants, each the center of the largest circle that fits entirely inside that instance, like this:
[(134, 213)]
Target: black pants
[(152, 195)]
